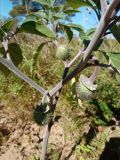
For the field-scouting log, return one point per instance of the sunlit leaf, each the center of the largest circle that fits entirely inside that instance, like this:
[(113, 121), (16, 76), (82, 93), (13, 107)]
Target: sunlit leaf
[(71, 11), (77, 3), (36, 28), (114, 60), (45, 31), (8, 25)]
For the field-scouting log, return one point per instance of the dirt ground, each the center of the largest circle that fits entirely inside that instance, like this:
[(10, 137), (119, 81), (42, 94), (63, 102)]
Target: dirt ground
[(22, 140)]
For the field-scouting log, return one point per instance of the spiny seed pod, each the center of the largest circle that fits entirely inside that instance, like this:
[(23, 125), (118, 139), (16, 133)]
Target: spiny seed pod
[(62, 52), (84, 88)]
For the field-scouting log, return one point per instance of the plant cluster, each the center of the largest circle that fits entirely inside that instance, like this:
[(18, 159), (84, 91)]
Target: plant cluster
[(48, 22)]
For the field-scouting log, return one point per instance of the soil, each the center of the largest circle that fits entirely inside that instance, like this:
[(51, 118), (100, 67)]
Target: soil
[(22, 140)]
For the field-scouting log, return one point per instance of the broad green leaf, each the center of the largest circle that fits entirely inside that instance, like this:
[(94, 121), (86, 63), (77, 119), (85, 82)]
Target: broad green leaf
[(15, 54), (115, 60), (35, 28), (29, 27), (33, 17), (87, 35), (2, 33), (77, 3), (71, 11), (76, 27), (6, 28), (8, 25), (45, 31), (82, 35), (59, 16), (116, 32), (41, 14), (58, 8), (69, 33)]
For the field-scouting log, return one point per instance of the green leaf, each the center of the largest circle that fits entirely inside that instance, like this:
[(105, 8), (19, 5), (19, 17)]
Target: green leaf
[(15, 54), (77, 3), (45, 31), (59, 16), (2, 33), (41, 14), (58, 8), (6, 28), (8, 25), (87, 35), (33, 17), (115, 60), (76, 27), (29, 27), (69, 33), (36, 28), (71, 11), (116, 32)]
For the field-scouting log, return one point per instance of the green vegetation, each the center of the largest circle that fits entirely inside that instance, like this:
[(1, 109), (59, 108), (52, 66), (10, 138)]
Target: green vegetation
[(53, 57)]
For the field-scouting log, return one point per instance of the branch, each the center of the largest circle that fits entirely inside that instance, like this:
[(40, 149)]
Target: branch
[(59, 85), (104, 6), (87, 53), (53, 102), (7, 62), (104, 66), (113, 22)]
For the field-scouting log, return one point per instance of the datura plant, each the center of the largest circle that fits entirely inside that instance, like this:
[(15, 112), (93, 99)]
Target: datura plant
[(48, 22)]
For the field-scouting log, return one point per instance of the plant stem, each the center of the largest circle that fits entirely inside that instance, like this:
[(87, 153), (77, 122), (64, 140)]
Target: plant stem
[(53, 104), (45, 140)]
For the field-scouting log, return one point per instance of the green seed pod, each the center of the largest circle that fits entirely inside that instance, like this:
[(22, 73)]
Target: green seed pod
[(84, 88), (62, 52)]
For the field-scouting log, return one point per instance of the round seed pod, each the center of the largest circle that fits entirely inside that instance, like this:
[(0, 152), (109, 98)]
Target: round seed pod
[(84, 88), (62, 52)]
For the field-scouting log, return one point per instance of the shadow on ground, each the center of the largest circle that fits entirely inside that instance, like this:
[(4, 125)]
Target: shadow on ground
[(111, 150)]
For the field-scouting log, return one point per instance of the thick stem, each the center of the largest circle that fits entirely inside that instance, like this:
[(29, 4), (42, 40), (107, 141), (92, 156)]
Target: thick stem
[(104, 6), (96, 71), (53, 104), (45, 140)]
